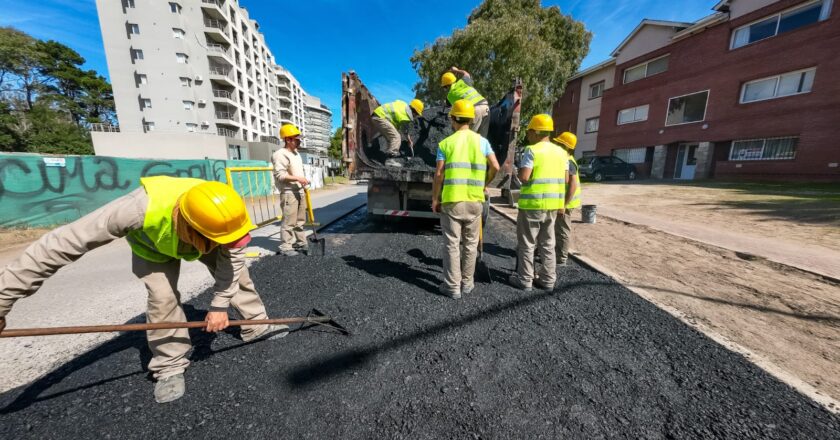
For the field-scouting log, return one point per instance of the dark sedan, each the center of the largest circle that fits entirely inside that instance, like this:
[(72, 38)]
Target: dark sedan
[(599, 168)]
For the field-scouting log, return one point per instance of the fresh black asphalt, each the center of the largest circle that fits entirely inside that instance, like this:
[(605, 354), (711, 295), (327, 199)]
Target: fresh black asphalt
[(589, 360)]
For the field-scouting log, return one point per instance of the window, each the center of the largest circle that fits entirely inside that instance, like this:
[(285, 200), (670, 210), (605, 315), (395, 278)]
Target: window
[(808, 13), (591, 125), (133, 29), (236, 152), (136, 54), (182, 58), (142, 79), (596, 90), (148, 126), (631, 155), (146, 103), (185, 82), (764, 149), (687, 109), (178, 33), (793, 83), (647, 69), (175, 8), (188, 105), (634, 114), (191, 127)]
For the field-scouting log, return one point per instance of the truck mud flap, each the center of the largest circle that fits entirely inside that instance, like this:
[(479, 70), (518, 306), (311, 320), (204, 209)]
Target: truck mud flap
[(396, 213)]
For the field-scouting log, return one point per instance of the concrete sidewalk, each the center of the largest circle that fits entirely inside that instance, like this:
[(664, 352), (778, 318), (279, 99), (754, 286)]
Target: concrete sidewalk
[(99, 288)]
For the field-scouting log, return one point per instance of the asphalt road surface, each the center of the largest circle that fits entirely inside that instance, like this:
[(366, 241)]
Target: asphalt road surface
[(589, 360)]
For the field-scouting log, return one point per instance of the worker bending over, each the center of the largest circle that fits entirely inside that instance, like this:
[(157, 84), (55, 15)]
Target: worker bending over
[(166, 220), (563, 225), (457, 89), (465, 165), (392, 120), (543, 171), (290, 180)]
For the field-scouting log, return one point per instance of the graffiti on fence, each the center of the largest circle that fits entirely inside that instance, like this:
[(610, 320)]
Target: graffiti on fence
[(37, 190)]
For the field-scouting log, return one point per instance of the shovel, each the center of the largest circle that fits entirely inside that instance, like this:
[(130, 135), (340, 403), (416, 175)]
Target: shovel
[(482, 270), (316, 245), (313, 318)]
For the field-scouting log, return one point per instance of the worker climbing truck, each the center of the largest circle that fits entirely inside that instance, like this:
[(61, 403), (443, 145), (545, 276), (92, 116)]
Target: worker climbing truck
[(406, 191)]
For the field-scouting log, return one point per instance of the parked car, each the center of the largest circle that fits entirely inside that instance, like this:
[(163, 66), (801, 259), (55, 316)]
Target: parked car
[(599, 168)]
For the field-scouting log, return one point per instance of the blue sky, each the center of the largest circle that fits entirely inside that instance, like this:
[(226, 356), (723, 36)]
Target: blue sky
[(319, 39)]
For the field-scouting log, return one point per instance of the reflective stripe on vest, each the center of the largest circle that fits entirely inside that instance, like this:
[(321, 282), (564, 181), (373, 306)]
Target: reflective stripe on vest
[(396, 112), (546, 190), (461, 90), (158, 241), (465, 168), (575, 202)]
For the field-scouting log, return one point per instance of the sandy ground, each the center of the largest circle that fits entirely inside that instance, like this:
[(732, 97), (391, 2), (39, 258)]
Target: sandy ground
[(789, 316), (15, 237)]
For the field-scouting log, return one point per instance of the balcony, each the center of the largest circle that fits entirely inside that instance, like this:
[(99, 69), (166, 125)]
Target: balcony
[(216, 29), (224, 96), (223, 75), (286, 97), (105, 128), (284, 86), (228, 117), (220, 52), (214, 8), (270, 139), (226, 132)]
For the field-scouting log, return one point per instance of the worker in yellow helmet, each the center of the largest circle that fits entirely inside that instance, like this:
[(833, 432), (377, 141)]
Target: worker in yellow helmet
[(463, 89), (290, 181), (563, 225), (465, 164), (166, 220), (543, 171), (392, 120)]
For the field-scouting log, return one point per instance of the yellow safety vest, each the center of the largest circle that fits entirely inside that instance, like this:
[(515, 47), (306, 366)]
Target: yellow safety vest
[(465, 168), (546, 191), (396, 112), (461, 90), (158, 240), (575, 202)]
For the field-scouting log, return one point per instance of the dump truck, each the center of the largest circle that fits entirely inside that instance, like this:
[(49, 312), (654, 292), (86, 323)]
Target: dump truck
[(407, 191)]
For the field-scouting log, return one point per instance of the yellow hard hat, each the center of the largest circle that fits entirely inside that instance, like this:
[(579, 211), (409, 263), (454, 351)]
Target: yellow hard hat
[(447, 79), (288, 130), (417, 105), (216, 211), (566, 139), (462, 109), (541, 122)]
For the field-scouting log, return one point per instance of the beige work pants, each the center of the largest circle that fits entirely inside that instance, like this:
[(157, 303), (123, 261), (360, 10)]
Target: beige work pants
[(292, 235), (535, 230), (460, 223), (563, 235), (170, 347), (390, 133), (481, 120)]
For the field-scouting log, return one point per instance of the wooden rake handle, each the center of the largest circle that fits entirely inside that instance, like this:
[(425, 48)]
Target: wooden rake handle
[(16, 333)]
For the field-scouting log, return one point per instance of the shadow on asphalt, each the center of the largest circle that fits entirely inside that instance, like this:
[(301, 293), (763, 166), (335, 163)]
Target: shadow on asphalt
[(330, 366), (384, 268)]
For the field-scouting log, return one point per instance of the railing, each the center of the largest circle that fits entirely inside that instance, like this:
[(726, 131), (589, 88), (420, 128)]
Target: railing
[(219, 3), (105, 128), (231, 116), (218, 48), (255, 185), (218, 24), (228, 73), (224, 94), (270, 139), (227, 132)]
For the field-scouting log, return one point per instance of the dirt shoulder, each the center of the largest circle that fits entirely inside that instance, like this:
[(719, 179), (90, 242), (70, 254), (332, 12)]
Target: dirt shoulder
[(788, 316), (13, 237)]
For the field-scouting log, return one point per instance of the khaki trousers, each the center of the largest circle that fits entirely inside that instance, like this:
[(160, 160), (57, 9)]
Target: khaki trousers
[(481, 122), (390, 133), (292, 235), (535, 230), (563, 234), (460, 223), (170, 347)]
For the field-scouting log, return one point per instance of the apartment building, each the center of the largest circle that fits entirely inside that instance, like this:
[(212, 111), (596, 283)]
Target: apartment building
[(748, 92), (318, 126), (192, 78), (579, 110)]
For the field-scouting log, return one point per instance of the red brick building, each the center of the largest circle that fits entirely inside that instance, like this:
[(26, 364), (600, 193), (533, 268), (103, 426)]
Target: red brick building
[(749, 92)]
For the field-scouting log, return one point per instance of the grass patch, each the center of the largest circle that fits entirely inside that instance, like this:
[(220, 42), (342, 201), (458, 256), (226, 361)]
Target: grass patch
[(336, 180)]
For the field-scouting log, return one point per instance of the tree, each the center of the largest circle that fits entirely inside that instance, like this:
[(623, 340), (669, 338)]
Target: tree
[(335, 143), (504, 40)]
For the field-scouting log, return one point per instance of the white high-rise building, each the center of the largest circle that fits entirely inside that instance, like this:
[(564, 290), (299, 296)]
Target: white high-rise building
[(192, 79), (318, 126)]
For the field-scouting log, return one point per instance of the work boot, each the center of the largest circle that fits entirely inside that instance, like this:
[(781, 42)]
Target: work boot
[(274, 331), (288, 253), (516, 282), (169, 388), (393, 162), (466, 290), (444, 290), (542, 286)]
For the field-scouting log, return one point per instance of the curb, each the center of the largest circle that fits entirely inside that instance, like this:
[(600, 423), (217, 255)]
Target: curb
[(829, 403)]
